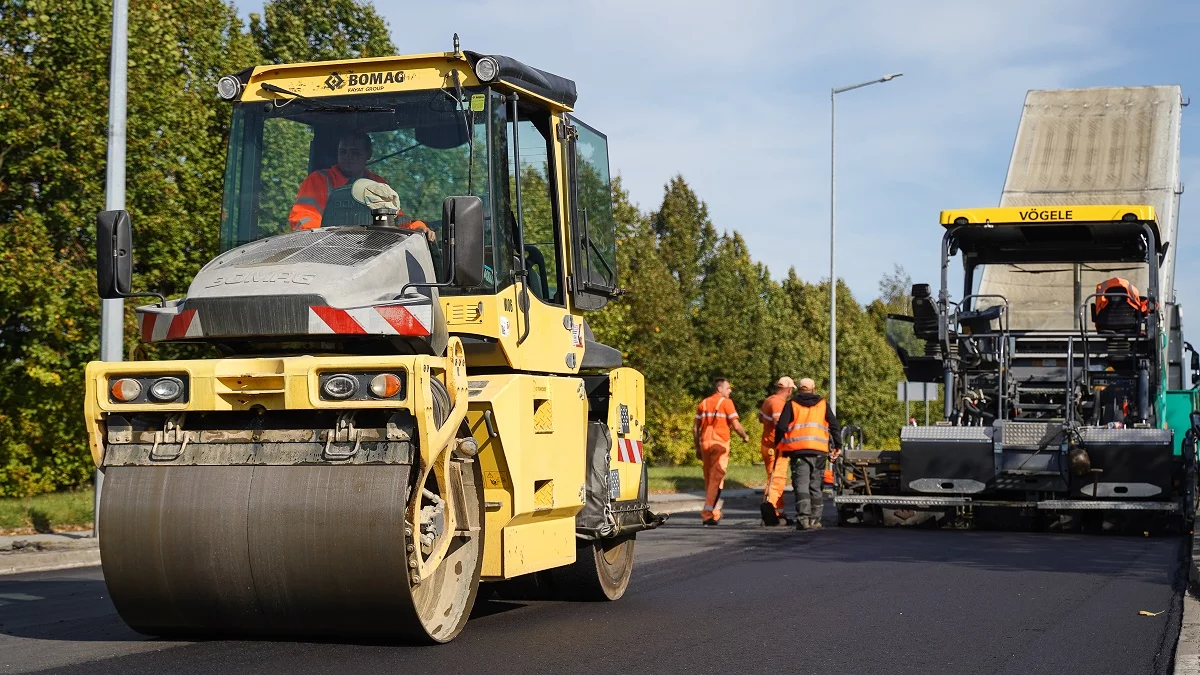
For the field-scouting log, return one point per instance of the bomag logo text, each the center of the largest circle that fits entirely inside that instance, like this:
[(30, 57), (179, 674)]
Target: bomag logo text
[(1046, 214), (366, 79), (262, 277)]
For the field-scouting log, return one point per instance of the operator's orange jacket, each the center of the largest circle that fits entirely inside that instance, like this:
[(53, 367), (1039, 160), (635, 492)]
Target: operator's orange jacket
[(314, 194), (713, 416), (806, 431), (1115, 284)]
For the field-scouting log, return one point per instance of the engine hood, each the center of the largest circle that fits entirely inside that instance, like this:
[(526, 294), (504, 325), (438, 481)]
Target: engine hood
[(342, 281)]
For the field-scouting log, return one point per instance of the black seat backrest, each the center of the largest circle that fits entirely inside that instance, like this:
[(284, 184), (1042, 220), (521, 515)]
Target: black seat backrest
[(925, 316), (344, 210)]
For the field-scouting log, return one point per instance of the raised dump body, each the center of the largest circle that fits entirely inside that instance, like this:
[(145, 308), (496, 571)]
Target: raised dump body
[(1104, 145)]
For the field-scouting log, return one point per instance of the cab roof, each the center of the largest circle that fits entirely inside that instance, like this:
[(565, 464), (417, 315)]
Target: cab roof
[(405, 73), (1059, 233)]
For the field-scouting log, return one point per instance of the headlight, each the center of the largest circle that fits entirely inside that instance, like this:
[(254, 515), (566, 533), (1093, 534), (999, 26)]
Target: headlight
[(386, 385), (126, 389), (340, 387), (486, 69), (166, 389), (229, 87)]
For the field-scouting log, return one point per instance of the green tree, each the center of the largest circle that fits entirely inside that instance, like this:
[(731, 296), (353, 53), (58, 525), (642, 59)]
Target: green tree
[(52, 163), (686, 236), (292, 31)]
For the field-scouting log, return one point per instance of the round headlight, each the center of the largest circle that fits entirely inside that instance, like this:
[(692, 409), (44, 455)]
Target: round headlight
[(126, 389), (486, 69), (166, 389), (229, 87), (386, 385), (340, 387)]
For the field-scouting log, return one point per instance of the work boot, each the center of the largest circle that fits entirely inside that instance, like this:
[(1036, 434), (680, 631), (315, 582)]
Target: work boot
[(711, 521), (815, 524), (769, 517), (801, 523)]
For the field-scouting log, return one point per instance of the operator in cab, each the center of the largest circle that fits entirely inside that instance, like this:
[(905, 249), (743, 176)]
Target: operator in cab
[(354, 151)]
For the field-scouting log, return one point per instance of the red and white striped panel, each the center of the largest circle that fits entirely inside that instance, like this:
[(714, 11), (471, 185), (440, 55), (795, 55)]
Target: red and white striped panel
[(158, 327), (629, 450), (415, 320)]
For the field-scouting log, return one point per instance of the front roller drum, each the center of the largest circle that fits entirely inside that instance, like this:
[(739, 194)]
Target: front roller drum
[(281, 550)]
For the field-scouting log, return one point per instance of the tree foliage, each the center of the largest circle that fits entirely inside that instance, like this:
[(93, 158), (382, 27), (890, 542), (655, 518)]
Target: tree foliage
[(291, 31), (699, 307), (54, 61)]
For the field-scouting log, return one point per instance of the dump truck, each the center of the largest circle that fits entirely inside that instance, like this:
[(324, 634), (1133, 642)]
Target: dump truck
[(1066, 399), (397, 405)]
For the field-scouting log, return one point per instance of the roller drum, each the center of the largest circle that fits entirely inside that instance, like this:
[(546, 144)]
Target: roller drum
[(317, 550)]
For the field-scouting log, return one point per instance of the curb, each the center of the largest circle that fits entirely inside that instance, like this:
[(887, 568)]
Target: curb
[(46, 561), (693, 502)]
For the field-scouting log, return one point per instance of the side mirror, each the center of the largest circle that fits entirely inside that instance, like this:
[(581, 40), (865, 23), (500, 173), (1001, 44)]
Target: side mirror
[(114, 254), (1195, 362), (463, 219), (1195, 419)]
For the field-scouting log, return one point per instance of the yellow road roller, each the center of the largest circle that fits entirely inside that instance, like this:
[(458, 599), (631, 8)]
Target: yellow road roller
[(403, 399)]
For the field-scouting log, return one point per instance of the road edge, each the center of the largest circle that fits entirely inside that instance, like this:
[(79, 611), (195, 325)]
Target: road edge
[(48, 561)]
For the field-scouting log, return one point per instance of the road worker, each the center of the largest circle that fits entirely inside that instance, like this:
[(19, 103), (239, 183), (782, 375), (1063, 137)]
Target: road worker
[(354, 150), (710, 435), (772, 505), (806, 430)]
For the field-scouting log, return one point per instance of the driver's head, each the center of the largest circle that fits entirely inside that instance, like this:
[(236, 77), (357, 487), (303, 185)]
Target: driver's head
[(354, 149)]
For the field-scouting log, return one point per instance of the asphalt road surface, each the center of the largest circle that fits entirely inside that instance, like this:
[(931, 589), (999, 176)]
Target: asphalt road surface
[(737, 598)]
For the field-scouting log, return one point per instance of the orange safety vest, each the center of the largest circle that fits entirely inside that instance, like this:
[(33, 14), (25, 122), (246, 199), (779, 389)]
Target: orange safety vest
[(769, 416), (808, 430), (1115, 284), (314, 194), (712, 419)]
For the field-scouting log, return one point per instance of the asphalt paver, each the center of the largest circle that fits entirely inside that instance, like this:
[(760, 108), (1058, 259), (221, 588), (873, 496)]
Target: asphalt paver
[(736, 598)]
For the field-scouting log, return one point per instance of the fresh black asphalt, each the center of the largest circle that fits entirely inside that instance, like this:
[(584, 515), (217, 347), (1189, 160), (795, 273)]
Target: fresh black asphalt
[(737, 598)]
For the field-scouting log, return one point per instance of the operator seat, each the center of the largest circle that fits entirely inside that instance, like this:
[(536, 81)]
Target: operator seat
[(925, 315)]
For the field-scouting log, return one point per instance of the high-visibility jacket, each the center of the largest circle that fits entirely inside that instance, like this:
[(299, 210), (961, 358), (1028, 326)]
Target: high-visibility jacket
[(1116, 284), (713, 416), (314, 194), (808, 432), (769, 416)]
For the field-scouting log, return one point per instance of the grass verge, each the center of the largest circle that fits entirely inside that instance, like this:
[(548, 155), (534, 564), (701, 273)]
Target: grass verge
[(54, 512), (686, 478)]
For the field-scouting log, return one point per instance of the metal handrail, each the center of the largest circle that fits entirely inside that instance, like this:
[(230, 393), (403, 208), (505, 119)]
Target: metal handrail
[(1005, 325), (1083, 330)]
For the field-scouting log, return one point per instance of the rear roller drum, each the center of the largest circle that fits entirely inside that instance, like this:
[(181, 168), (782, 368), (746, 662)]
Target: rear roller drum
[(601, 570)]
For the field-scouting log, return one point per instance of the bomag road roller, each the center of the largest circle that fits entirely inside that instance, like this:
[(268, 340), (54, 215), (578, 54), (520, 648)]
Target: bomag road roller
[(404, 399)]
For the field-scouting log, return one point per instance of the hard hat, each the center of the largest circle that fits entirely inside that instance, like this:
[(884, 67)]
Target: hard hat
[(807, 384), (785, 382)]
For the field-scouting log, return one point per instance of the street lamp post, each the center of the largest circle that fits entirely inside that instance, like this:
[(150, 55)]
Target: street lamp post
[(112, 311), (833, 229)]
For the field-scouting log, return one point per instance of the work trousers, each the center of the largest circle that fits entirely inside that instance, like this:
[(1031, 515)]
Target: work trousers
[(777, 468), (716, 463), (808, 476)]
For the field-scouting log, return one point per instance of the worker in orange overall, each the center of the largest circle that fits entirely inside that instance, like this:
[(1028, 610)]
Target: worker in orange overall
[(772, 505), (808, 435), (710, 434), (354, 150)]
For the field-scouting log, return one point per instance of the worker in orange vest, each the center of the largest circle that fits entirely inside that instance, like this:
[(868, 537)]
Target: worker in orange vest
[(772, 505), (354, 150), (808, 434), (710, 434)]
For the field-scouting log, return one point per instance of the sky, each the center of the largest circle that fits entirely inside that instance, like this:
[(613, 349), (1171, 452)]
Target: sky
[(735, 97)]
